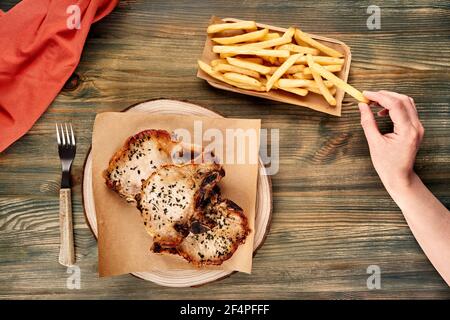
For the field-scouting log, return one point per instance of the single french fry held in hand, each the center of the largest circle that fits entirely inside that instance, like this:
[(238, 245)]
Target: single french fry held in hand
[(247, 25), (355, 93), (225, 67), (319, 81), (251, 36), (249, 65), (300, 36), (281, 70)]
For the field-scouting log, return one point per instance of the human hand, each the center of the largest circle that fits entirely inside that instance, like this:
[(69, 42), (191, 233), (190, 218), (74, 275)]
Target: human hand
[(393, 154)]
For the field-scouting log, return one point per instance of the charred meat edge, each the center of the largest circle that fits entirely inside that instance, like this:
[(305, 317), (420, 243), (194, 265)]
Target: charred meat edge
[(208, 183)]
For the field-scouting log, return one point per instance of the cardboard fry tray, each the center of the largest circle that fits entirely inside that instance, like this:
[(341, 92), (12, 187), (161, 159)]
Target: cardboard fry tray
[(311, 100)]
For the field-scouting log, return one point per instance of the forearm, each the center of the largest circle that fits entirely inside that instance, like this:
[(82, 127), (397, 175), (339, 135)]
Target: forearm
[(428, 220)]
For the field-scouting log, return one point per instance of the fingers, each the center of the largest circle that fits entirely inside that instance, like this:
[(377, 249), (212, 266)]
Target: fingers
[(397, 110), (369, 124), (408, 102), (383, 113)]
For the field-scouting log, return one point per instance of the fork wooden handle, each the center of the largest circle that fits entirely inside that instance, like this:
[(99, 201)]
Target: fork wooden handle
[(66, 250)]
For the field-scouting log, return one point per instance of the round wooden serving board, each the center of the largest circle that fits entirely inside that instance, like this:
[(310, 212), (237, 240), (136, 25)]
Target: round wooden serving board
[(184, 278)]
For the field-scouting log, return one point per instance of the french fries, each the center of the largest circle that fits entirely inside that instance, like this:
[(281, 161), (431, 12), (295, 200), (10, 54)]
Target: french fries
[(322, 60), (271, 35), (235, 50), (301, 75), (303, 37), (247, 25), (286, 38), (298, 49), (331, 68), (224, 67), (355, 93), (219, 76), (296, 83), (319, 81), (281, 70), (249, 65), (251, 36), (241, 78), (260, 60), (298, 91)]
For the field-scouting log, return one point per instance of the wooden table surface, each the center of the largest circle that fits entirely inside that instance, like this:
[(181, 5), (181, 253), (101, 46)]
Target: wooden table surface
[(332, 218)]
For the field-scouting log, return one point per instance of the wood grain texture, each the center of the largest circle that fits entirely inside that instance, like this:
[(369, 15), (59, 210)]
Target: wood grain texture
[(332, 217), (66, 247)]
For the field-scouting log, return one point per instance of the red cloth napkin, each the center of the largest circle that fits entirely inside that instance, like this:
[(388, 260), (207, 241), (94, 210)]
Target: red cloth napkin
[(40, 47)]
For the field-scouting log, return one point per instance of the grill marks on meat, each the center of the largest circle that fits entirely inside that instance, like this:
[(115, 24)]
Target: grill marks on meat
[(228, 228), (141, 155), (172, 196), (178, 198)]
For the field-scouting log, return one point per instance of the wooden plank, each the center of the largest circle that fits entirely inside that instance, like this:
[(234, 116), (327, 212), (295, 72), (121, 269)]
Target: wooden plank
[(327, 226)]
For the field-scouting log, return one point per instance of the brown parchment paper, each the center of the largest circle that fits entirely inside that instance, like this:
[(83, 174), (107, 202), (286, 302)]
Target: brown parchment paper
[(123, 243), (311, 100)]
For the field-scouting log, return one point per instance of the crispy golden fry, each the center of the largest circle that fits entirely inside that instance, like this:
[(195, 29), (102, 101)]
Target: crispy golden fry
[(254, 60), (240, 78), (248, 50), (281, 70), (301, 75), (322, 60), (251, 36), (217, 75), (248, 25), (319, 81), (286, 38), (301, 36), (316, 90), (271, 60), (249, 65), (331, 68), (225, 67), (295, 69), (298, 49), (271, 35), (295, 83), (215, 62), (355, 93), (292, 70), (298, 91)]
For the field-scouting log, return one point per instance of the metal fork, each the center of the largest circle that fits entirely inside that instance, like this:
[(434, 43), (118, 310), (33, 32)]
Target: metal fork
[(66, 149)]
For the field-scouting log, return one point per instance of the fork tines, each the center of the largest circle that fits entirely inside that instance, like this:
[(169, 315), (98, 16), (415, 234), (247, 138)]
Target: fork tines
[(63, 137)]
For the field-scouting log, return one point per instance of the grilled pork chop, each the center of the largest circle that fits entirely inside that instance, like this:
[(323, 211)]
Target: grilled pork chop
[(141, 155), (224, 228), (172, 196)]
